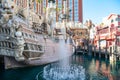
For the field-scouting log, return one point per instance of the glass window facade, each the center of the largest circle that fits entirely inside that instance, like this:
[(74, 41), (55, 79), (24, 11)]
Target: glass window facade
[(74, 15), (60, 8), (70, 7), (75, 10)]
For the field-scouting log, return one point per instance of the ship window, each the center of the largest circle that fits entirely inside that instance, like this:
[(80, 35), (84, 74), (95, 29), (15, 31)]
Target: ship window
[(22, 34), (5, 31), (4, 44), (12, 45), (30, 36), (0, 44), (8, 31), (36, 47), (2, 30), (33, 36), (26, 47), (31, 47), (9, 45), (40, 47), (26, 34)]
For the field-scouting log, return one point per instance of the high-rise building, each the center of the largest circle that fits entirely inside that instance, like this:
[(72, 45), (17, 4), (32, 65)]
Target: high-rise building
[(75, 7)]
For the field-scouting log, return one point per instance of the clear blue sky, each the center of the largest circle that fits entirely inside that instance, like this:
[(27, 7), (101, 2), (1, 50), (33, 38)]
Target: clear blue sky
[(96, 10)]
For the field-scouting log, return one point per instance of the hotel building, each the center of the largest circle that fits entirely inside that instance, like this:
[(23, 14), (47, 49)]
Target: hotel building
[(74, 7)]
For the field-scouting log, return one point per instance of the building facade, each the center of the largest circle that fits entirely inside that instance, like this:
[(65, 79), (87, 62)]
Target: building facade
[(74, 8), (108, 33)]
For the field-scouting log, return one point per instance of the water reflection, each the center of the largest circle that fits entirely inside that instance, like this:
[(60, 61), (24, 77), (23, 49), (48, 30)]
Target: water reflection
[(98, 69), (98, 66)]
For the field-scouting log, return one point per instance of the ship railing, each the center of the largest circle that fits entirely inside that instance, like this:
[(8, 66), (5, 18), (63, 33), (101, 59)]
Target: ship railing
[(8, 51), (33, 48), (35, 51), (5, 30)]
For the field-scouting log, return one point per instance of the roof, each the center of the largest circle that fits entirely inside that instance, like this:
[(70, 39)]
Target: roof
[(111, 15)]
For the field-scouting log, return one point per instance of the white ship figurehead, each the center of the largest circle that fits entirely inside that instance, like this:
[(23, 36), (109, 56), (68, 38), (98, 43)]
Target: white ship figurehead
[(20, 43), (18, 34)]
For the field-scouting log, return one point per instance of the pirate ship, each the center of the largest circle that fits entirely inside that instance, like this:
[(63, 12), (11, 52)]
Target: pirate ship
[(24, 42)]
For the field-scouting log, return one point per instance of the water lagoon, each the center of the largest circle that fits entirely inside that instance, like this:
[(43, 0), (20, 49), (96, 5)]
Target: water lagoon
[(78, 67)]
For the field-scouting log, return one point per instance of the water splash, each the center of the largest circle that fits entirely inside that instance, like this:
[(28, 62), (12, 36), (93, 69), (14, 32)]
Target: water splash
[(62, 70), (56, 72)]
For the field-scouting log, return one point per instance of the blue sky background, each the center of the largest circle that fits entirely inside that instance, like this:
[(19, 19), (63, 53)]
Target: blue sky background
[(96, 10)]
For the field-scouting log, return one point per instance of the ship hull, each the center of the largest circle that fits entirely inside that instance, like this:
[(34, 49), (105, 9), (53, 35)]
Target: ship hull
[(54, 52)]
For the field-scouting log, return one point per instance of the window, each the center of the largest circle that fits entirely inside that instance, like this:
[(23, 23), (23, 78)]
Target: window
[(30, 36), (31, 46), (0, 44), (26, 47), (117, 19), (40, 47), (118, 26), (111, 20), (80, 33), (9, 45), (26, 34)]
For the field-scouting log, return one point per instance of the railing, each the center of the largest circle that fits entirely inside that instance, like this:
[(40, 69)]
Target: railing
[(8, 51), (4, 30)]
